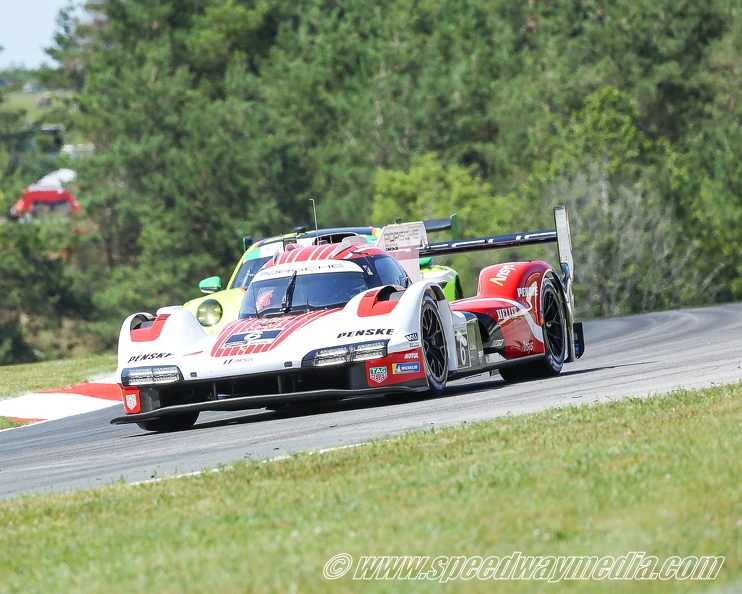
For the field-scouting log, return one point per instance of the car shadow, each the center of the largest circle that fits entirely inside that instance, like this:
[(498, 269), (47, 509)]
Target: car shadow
[(463, 386)]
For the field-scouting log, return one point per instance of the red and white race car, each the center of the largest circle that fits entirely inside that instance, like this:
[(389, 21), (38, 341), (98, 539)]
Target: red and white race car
[(333, 321)]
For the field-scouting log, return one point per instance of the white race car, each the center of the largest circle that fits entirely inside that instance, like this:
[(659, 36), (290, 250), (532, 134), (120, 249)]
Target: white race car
[(333, 321)]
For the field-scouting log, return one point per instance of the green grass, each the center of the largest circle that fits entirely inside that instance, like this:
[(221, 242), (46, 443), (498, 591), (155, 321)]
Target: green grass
[(6, 423), (659, 475), (49, 375), (27, 101)]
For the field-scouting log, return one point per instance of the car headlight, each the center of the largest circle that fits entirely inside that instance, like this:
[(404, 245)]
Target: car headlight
[(147, 376), (346, 354), (209, 312)]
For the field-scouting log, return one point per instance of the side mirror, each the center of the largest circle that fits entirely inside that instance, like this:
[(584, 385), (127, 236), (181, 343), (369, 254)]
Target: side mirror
[(210, 285)]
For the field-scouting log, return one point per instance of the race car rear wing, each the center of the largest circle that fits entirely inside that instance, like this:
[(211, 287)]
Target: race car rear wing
[(418, 246)]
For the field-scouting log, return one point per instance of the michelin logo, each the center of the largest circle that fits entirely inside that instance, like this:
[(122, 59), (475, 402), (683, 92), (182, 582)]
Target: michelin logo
[(406, 367)]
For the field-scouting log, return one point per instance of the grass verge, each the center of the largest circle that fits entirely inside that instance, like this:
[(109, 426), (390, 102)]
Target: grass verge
[(6, 423), (659, 475), (49, 375)]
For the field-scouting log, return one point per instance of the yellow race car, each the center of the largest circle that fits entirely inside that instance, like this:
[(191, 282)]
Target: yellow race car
[(222, 306)]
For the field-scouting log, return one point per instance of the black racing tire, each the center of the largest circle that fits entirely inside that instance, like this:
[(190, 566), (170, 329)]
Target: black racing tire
[(170, 423), (435, 352), (554, 326)]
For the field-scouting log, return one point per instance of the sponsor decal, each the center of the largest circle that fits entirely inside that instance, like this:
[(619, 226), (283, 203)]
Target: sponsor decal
[(405, 237), (299, 268), (149, 357), (254, 337), (529, 293), (517, 310), (414, 339), (238, 360), (263, 300), (528, 347), (413, 367), (377, 374), (502, 275), (131, 401), (368, 332), (506, 313), (412, 356)]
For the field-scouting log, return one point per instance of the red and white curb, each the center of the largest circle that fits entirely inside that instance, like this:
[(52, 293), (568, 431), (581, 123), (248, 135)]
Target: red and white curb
[(66, 402)]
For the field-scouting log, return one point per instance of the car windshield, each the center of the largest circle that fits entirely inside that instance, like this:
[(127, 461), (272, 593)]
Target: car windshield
[(307, 292), (247, 271)]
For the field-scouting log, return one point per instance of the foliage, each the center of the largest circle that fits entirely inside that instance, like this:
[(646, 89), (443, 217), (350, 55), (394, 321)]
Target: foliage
[(31, 275), (431, 190), (35, 290), (213, 119), (621, 189)]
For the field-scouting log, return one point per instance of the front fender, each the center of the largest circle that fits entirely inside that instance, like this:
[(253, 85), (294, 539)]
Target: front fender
[(144, 337), (405, 318)]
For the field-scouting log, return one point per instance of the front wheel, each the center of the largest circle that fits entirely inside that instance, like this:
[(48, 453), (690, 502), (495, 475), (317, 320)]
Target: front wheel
[(554, 326), (435, 354), (170, 423)]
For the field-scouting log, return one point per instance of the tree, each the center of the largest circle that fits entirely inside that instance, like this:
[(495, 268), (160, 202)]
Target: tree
[(216, 118), (631, 250), (431, 190)]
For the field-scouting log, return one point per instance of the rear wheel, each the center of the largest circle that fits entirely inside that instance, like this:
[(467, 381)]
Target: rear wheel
[(170, 423), (554, 327), (435, 355)]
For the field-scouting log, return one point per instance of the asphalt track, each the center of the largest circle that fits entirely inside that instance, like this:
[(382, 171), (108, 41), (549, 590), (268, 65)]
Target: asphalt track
[(631, 356)]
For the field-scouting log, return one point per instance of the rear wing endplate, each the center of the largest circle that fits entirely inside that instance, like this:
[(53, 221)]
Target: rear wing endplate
[(452, 223)]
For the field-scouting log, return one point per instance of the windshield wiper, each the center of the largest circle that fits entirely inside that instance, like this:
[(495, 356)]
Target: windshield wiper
[(285, 307), (286, 300)]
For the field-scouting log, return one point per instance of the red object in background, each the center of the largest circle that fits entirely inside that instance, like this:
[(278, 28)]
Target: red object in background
[(48, 196), (52, 199)]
